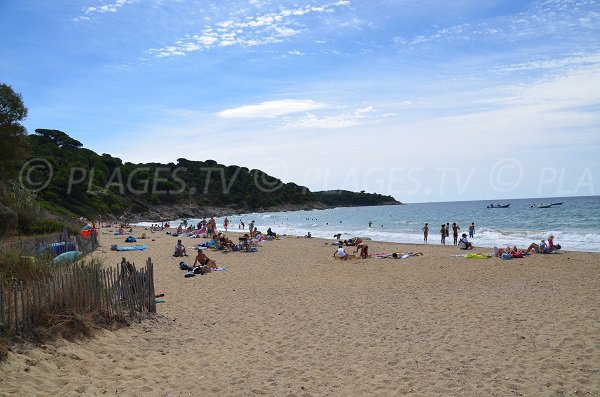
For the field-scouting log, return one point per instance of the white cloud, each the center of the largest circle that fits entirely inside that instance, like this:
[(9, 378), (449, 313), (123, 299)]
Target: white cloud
[(257, 30), (101, 9), (547, 64), (541, 19), (341, 120), (271, 109)]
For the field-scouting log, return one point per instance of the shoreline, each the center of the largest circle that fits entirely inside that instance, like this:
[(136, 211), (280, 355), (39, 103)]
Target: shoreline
[(318, 235)]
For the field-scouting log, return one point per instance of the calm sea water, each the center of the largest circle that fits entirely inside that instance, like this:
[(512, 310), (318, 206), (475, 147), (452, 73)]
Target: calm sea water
[(575, 224)]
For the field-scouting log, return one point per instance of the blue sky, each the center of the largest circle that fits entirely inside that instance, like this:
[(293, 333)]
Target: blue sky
[(426, 100)]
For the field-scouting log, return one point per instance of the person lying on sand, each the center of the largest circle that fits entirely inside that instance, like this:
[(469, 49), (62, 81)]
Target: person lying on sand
[(353, 241), (405, 255), (543, 248)]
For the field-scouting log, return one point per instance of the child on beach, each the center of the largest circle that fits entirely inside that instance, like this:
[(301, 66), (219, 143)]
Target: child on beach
[(425, 232), (341, 253)]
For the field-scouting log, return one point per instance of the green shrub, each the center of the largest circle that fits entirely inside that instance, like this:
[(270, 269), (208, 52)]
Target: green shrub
[(8, 220), (21, 266), (45, 226), (21, 201)]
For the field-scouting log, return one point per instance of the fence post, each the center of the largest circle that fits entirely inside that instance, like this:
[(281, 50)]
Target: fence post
[(2, 317), (9, 314), (16, 306), (151, 293)]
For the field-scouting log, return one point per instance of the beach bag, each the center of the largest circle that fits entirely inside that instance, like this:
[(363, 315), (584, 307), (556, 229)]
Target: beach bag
[(506, 255), (130, 239), (517, 255)]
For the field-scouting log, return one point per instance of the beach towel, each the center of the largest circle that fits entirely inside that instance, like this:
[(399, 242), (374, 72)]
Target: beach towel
[(131, 248), (381, 255), (477, 256)]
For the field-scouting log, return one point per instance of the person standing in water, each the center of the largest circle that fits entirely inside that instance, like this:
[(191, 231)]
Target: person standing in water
[(443, 233), (455, 229), (226, 223), (472, 230), (425, 232)]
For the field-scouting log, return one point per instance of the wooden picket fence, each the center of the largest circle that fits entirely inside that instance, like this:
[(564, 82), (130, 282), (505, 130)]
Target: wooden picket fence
[(117, 293)]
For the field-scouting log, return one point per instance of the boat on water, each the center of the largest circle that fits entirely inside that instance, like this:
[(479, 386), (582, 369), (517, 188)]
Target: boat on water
[(541, 206), (498, 206), (559, 203)]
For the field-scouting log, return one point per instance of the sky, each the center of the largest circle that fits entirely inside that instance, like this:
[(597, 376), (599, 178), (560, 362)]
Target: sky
[(425, 100)]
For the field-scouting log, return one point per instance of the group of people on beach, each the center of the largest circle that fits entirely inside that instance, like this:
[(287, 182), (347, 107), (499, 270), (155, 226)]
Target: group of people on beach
[(542, 248), (445, 233)]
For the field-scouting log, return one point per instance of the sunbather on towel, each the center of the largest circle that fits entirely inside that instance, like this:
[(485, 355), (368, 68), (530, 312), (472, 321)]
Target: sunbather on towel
[(204, 260), (405, 255)]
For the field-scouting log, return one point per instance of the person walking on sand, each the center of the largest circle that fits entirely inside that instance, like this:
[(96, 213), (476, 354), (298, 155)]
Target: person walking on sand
[(455, 229), (251, 228), (425, 231), (472, 230), (443, 233)]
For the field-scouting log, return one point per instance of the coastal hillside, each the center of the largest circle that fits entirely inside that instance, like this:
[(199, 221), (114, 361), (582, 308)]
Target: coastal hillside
[(85, 183)]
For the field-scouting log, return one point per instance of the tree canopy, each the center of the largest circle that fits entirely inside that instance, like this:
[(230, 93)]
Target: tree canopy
[(12, 133), (87, 183)]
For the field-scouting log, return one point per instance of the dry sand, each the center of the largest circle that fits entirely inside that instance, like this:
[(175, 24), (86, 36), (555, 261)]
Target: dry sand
[(290, 320)]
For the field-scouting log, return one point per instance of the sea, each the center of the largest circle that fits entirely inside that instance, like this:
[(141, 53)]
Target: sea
[(575, 222)]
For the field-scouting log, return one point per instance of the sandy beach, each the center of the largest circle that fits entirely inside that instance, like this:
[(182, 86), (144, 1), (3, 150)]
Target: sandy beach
[(291, 320)]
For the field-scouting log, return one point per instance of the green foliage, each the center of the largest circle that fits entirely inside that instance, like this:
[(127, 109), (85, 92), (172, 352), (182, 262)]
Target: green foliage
[(12, 133), (8, 220), (44, 226), (90, 184), (20, 201), (19, 265)]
